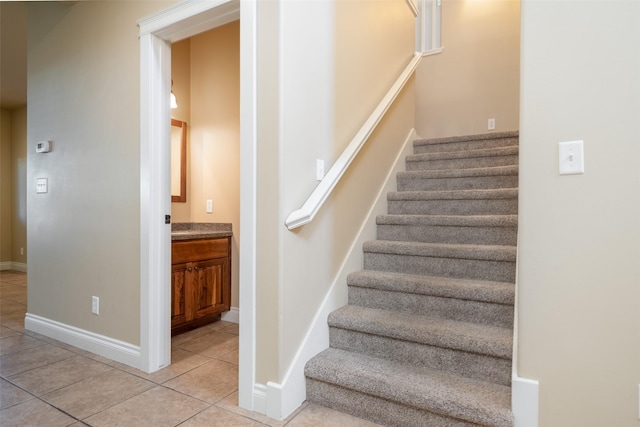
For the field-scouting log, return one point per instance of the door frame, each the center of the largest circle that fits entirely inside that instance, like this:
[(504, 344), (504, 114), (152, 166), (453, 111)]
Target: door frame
[(157, 32)]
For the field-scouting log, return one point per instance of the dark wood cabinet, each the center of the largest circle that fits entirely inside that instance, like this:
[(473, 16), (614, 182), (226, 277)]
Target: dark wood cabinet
[(200, 282)]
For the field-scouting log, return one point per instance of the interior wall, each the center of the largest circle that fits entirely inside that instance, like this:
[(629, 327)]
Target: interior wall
[(477, 75), (84, 234), (6, 180), (311, 256), (579, 235), (215, 132), (19, 185), (181, 78)]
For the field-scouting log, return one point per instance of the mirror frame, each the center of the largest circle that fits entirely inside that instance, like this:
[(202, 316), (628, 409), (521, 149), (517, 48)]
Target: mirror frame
[(182, 197)]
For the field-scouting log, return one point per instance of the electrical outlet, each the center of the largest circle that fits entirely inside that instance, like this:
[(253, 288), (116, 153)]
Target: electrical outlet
[(491, 124), (21, 251), (209, 206), (95, 305)]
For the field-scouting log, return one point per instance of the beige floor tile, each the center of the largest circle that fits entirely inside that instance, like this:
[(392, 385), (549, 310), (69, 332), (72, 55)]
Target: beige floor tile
[(209, 382), (17, 343), (6, 332), (178, 340), (17, 296), (52, 377), (222, 417), (233, 329), (11, 395), (156, 407), (181, 361), (216, 326), (214, 344), (319, 416), (97, 393), (230, 357), (13, 277), (33, 412), (14, 363), (230, 403), (12, 307)]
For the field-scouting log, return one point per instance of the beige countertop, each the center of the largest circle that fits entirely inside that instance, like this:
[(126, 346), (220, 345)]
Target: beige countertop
[(200, 230)]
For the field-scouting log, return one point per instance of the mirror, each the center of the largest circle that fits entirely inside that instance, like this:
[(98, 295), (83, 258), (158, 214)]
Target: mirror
[(178, 161)]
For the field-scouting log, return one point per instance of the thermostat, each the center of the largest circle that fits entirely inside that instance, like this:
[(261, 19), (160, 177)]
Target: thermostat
[(43, 146)]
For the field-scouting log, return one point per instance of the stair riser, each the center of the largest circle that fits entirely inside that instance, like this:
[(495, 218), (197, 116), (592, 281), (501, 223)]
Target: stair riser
[(474, 162), (447, 234), (453, 207), (500, 271), (375, 409), (446, 308), (464, 145), (470, 365), (467, 183)]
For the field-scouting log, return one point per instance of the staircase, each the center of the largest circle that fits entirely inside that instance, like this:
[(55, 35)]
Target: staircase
[(426, 338)]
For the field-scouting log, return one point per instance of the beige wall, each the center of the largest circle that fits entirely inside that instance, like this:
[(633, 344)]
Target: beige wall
[(579, 235), (19, 185), (206, 76), (6, 180), (318, 78), (476, 77), (83, 235), (13, 208), (215, 132), (181, 77)]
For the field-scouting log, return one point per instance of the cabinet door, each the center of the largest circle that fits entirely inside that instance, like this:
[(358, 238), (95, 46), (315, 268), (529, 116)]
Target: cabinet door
[(179, 285), (211, 293)]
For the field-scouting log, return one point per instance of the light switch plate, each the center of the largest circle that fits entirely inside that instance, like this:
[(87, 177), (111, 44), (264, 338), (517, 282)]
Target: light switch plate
[(42, 185), (571, 157)]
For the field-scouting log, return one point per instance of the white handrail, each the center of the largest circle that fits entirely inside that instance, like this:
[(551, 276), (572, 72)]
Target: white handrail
[(413, 7), (316, 199)]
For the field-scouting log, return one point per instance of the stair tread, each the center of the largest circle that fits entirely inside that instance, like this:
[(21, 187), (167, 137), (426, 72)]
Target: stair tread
[(464, 154), (462, 138), (460, 173), (438, 392), (445, 333), (466, 289), (450, 220), (500, 193), (442, 250)]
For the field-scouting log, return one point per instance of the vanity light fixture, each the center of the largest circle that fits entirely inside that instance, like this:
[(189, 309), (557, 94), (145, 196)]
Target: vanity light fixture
[(174, 103)]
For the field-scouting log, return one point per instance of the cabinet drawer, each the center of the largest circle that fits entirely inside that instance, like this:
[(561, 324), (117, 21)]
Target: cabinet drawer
[(198, 250)]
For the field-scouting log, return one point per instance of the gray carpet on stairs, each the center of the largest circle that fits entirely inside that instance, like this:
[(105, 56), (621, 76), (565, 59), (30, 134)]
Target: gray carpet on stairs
[(426, 339)]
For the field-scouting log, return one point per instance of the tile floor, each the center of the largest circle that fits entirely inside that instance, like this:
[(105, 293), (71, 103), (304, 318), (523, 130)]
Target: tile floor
[(44, 382)]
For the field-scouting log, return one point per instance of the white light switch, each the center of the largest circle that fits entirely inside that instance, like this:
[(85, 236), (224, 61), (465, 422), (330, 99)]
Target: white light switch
[(42, 185), (209, 206), (571, 157)]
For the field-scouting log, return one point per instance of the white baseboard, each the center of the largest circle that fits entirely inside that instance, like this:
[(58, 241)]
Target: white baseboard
[(524, 402), (232, 315), (110, 348), (284, 398), (12, 265), (260, 399)]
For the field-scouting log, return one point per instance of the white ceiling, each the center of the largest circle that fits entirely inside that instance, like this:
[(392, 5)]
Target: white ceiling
[(13, 54)]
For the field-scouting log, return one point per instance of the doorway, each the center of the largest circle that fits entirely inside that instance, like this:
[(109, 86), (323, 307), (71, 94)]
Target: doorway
[(181, 21)]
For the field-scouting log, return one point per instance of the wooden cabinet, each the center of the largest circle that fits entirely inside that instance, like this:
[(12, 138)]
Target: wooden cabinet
[(200, 282)]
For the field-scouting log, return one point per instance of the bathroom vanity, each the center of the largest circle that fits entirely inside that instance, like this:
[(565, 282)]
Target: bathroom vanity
[(200, 274)]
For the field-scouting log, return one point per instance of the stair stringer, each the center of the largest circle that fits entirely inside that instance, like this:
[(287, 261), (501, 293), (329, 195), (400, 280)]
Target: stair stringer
[(283, 398)]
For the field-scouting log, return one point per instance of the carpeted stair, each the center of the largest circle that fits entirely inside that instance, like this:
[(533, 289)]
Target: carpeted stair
[(426, 339)]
